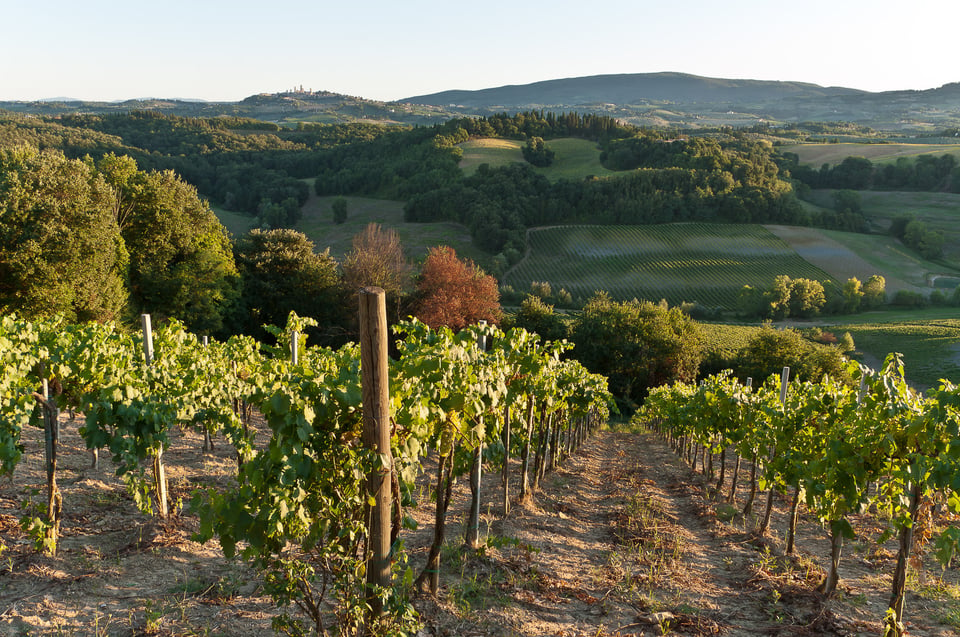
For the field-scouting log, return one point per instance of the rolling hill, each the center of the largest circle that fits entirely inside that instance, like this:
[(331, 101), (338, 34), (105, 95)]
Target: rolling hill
[(650, 99), (633, 88)]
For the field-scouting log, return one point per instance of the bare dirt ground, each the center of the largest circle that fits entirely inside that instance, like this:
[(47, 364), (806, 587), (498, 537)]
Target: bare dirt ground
[(622, 539)]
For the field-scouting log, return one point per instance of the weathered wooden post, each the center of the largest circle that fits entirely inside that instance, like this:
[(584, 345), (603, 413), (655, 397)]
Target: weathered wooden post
[(476, 472), (784, 383), (376, 437), (51, 431), (159, 475)]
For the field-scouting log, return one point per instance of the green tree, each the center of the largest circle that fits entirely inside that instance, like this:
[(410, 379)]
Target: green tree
[(852, 295), (537, 316), (636, 344), (181, 265), (776, 300), (750, 302), (535, 151), (770, 350), (847, 201), (874, 292), (929, 243), (60, 248), (339, 208), (806, 297), (280, 273)]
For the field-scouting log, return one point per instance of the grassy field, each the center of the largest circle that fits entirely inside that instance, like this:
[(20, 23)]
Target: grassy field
[(818, 154), (317, 223), (938, 210), (236, 223), (703, 263), (575, 158), (417, 238)]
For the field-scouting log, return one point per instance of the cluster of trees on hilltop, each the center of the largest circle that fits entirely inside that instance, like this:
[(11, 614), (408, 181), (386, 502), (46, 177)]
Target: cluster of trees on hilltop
[(498, 204)]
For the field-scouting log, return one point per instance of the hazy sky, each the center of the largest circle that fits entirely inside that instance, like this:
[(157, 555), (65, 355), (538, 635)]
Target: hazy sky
[(228, 50)]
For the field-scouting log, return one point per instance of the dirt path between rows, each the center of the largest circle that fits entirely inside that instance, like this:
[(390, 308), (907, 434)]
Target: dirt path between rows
[(621, 539)]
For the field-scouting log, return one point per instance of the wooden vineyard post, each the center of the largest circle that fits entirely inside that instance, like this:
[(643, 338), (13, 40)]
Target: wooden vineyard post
[(784, 379), (476, 470), (159, 475), (51, 432), (732, 496), (505, 478), (376, 437), (207, 437)]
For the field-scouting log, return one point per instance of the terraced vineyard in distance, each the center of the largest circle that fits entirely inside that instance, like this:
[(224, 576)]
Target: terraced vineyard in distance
[(705, 263)]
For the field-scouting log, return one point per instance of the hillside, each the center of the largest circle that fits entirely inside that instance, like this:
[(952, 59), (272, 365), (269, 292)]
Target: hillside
[(284, 108), (649, 99), (633, 88), (694, 101)]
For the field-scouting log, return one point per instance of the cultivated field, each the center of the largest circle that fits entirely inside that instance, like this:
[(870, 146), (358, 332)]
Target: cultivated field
[(819, 154), (929, 341), (695, 262), (850, 254)]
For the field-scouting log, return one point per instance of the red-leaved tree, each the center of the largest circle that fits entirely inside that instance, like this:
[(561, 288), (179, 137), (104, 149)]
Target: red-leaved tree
[(455, 293)]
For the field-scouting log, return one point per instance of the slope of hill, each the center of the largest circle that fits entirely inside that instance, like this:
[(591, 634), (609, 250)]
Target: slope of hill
[(288, 107), (633, 88), (696, 101), (649, 99)]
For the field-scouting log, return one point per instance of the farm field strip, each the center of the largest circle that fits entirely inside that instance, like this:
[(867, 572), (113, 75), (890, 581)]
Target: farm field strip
[(696, 262), (817, 154)]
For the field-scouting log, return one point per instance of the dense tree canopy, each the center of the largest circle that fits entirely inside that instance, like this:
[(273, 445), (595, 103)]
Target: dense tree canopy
[(454, 293), (770, 350), (280, 273), (106, 240), (925, 172), (180, 257), (535, 315), (637, 345), (60, 248)]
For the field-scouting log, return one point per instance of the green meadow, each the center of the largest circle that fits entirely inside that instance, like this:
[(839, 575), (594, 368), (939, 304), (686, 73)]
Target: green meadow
[(317, 223), (575, 158), (416, 238)]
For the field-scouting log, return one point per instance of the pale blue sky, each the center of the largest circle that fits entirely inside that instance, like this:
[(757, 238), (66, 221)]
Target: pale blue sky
[(228, 50)]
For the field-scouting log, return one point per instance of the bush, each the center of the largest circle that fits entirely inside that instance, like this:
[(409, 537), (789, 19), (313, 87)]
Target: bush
[(906, 298)]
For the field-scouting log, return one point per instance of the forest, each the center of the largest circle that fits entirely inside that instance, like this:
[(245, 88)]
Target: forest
[(131, 192)]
